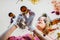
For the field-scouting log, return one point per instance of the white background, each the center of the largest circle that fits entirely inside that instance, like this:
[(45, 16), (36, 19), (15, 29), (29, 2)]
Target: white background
[(6, 6)]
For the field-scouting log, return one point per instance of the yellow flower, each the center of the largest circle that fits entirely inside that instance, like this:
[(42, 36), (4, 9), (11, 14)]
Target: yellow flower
[(58, 35), (34, 1)]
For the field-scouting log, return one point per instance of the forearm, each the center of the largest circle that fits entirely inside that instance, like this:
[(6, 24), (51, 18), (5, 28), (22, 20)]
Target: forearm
[(39, 36), (7, 33), (37, 32)]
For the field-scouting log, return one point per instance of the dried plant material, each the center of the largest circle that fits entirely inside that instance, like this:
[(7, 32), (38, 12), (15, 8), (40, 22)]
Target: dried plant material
[(56, 21), (58, 36)]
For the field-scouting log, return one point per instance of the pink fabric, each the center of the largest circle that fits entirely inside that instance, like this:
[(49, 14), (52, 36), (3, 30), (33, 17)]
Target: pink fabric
[(25, 37), (35, 37)]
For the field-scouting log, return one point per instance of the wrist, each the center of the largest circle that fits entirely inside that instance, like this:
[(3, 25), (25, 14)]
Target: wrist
[(31, 28), (16, 26)]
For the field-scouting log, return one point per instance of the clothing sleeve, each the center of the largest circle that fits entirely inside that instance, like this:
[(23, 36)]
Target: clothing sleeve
[(30, 20), (17, 19), (31, 17)]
